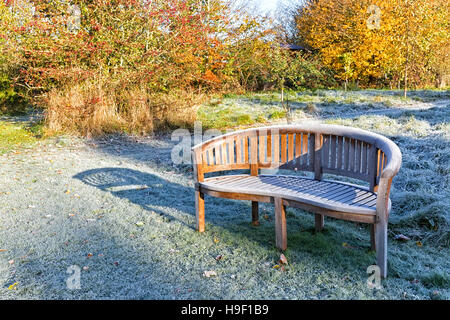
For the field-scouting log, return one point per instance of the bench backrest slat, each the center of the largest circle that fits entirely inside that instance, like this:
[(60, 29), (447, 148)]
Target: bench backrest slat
[(346, 156), (342, 151)]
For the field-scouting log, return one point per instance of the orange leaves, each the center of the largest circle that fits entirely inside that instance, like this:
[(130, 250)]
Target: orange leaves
[(283, 259), (209, 76), (176, 44), (281, 263)]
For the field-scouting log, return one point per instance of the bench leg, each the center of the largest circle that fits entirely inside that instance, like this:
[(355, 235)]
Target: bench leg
[(255, 214), (200, 211), (372, 237), (319, 220), (381, 246), (280, 224)]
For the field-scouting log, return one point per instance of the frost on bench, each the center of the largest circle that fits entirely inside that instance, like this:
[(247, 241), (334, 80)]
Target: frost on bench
[(319, 149)]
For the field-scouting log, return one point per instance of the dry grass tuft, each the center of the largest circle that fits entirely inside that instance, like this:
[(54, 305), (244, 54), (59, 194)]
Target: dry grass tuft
[(93, 109)]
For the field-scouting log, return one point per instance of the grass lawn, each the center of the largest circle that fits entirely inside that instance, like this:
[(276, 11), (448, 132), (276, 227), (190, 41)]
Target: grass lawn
[(17, 135), (118, 209)]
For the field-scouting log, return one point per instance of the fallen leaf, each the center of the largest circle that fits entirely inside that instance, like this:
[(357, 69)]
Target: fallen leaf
[(216, 240), (208, 274), (419, 244), (401, 237), (283, 259), (13, 286), (346, 245)]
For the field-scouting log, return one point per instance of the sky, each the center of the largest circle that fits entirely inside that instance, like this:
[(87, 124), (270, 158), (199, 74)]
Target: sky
[(266, 5)]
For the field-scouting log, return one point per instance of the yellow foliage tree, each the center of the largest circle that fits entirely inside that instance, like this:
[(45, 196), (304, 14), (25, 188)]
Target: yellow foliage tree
[(382, 37)]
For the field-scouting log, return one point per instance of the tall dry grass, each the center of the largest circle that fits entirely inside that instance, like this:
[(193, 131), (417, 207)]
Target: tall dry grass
[(96, 108)]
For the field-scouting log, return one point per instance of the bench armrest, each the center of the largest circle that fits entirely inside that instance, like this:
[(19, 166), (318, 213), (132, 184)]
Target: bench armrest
[(395, 159)]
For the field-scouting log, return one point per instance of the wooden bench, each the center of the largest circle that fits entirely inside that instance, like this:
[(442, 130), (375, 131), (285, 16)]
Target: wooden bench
[(317, 148)]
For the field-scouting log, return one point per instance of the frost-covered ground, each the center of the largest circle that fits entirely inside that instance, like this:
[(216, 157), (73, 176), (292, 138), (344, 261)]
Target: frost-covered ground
[(122, 212), (249, 109)]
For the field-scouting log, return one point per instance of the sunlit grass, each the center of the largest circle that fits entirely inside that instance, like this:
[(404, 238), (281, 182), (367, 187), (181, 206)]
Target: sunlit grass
[(14, 136), (234, 110)]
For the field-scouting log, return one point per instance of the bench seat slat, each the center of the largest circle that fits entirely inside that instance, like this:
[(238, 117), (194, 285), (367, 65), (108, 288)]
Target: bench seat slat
[(346, 196), (325, 194)]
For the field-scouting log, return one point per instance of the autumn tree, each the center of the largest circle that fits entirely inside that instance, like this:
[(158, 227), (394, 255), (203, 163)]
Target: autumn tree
[(111, 65), (384, 38)]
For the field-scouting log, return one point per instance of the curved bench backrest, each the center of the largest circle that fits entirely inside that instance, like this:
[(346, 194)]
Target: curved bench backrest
[(317, 148)]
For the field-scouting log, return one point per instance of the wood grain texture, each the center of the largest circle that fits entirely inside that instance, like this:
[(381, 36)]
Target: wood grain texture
[(280, 224), (255, 213), (372, 237), (283, 149), (317, 156), (200, 211), (333, 153), (319, 222), (340, 152), (314, 192)]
